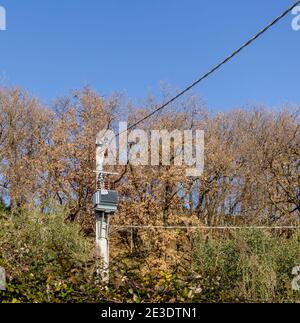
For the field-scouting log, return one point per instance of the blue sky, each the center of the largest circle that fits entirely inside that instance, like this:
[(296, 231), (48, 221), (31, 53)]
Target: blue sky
[(51, 47)]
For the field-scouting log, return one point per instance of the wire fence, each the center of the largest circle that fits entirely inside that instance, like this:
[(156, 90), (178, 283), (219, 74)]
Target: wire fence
[(130, 228), (202, 227)]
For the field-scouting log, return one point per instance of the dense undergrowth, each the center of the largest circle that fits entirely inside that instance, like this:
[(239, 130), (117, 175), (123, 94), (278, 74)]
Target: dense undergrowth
[(48, 259)]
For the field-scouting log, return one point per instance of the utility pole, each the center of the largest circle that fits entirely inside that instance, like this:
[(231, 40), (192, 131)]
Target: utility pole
[(105, 202)]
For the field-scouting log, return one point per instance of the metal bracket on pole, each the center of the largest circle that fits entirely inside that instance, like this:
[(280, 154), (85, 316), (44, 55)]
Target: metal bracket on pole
[(105, 204)]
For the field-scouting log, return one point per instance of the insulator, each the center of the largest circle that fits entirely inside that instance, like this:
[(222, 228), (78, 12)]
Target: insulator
[(98, 185)]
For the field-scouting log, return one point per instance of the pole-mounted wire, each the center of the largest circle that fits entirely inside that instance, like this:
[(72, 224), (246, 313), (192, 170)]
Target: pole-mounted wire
[(215, 68)]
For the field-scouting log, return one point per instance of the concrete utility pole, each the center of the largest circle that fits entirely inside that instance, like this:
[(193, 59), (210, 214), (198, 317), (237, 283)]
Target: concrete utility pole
[(105, 204)]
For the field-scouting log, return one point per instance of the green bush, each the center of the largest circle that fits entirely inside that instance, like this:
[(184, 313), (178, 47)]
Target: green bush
[(48, 259), (249, 266)]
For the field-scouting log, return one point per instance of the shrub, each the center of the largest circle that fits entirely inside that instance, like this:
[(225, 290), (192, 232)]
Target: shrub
[(250, 266), (46, 259)]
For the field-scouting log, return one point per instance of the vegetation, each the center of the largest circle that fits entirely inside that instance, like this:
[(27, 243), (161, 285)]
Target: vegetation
[(251, 177), (48, 260)]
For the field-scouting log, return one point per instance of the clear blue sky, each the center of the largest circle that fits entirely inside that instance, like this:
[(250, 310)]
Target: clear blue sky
[(51, 47)]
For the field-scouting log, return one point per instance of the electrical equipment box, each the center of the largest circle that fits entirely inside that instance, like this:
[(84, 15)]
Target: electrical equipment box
[(106, 201)]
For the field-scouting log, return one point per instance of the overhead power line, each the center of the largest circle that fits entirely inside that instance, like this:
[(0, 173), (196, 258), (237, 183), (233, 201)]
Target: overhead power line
[(216, 67)]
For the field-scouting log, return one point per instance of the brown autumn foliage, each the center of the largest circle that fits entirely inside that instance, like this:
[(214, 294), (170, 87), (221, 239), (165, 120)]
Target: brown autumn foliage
[(251, 173)]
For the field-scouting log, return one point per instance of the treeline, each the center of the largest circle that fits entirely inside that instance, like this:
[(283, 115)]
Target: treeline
[(251, 172), (251, 177)]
